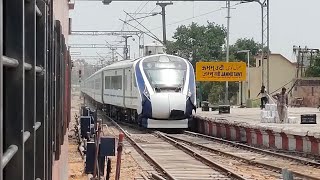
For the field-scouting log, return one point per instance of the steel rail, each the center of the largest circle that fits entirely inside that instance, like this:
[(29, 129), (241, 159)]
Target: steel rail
[(244, 146), (142, 152), (156, 176), (198, 156), (200, 146)]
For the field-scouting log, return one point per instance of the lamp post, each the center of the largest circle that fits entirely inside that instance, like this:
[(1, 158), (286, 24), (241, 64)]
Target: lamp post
[(248, 65)]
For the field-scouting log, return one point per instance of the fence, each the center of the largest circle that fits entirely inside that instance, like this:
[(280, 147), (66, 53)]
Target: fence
[(34, 89)]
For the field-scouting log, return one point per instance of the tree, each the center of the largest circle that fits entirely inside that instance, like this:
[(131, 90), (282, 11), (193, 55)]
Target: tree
[(245, 44), (200, 43), (314, 69), (205, 43), (196, 42)]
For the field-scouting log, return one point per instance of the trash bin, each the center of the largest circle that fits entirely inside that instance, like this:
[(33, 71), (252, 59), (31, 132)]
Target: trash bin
[(224, 109), (205, 106)]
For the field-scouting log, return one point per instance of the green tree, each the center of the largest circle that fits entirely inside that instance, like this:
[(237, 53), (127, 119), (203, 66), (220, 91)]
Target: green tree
[(314, 69), (200, 43), (245, 44), (197, 43), (206, 43)]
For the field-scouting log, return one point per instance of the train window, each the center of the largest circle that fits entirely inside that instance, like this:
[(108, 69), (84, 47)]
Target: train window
[(125, 82), (134, 79), (107, 82), (165, 71), (116, 82)]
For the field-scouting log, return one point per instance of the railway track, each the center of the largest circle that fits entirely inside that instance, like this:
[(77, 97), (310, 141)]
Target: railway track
[(302, 168), (196, 156), (174, 160), (246, 170)]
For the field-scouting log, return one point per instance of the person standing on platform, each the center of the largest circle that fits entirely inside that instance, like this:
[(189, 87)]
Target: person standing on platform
[(264, 97), (282, 103)]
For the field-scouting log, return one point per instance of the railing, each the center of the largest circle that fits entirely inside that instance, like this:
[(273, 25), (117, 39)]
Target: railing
[(13, 63), (34, 89), (7, 156)]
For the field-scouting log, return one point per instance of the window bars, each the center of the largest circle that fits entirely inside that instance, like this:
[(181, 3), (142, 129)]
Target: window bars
[(34, 89)]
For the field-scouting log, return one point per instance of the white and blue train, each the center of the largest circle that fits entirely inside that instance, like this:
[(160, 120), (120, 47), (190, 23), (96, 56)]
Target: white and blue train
[(156, 91)]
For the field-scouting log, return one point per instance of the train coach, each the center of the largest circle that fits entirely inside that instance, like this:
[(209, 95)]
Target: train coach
[(156, 91)]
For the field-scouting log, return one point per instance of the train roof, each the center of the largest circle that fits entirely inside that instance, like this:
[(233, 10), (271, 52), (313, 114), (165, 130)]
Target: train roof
[(124, 63), (119, 64)]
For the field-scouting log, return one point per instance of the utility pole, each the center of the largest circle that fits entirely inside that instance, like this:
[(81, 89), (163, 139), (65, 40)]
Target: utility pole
[(163, 7), (126, 46), (304, 59), (112, 51), (248, 73), (227, 56)]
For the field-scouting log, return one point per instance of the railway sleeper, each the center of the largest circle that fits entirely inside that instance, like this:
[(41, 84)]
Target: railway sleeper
[(203, 159), (263, 165)]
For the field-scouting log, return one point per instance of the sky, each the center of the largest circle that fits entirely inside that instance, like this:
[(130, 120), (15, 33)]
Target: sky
[(292, 22)]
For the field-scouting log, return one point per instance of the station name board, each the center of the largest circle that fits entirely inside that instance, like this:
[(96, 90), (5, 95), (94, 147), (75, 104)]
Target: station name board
[(221, 71)]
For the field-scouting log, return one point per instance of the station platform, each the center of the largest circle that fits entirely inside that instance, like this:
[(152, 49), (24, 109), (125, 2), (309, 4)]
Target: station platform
[(243, 124)]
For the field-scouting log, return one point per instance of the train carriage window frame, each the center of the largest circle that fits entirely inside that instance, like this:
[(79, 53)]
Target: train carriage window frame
[(116, 82), (125, 82), (160, 69), (107, 82), (134, 80)]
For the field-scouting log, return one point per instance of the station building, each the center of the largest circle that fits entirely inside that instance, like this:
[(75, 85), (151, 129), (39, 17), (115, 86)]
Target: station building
[(304, 91)]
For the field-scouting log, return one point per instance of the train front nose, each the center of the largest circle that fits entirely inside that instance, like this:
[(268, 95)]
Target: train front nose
[(168, 105)]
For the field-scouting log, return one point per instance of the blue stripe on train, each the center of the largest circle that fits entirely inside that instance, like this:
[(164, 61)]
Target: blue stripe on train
[(192, 85), (146, 104), (140, 81)]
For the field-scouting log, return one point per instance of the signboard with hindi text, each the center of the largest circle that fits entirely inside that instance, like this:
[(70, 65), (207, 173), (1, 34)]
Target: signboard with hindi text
[(221, 71)]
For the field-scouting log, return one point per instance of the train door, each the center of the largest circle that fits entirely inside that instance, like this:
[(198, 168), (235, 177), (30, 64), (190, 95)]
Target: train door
[(134, 92), (102, 86), (128, 88)]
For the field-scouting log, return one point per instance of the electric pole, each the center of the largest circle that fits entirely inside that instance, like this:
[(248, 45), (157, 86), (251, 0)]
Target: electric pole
[(304, 59), (112, 51), (227, 50), (163, 7), (126, 47)]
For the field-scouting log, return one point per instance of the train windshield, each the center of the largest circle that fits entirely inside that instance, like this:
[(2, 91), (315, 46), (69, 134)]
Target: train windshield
[(165, 71)]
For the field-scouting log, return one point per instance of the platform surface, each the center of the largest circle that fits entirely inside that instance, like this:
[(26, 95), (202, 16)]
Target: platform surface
[(251, 117)]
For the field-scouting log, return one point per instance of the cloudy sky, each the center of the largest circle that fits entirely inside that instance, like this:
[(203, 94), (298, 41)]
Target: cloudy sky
[(292, 22)]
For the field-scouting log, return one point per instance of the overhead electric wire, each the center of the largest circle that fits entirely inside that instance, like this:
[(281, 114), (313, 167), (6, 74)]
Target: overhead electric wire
[(123, 24), (149, 13), (143, 17), (195, 16), (115, 51), (145, 28), (141, 8), (153, 37)]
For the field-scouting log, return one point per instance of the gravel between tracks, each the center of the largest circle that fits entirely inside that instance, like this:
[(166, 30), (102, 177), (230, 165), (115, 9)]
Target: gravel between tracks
[(172, 160), (176, 162), (258, 157), (129, 168), (247, 170), (75, 162)]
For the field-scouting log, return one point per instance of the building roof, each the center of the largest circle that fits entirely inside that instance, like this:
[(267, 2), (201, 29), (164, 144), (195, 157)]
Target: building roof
[(278, 54)]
